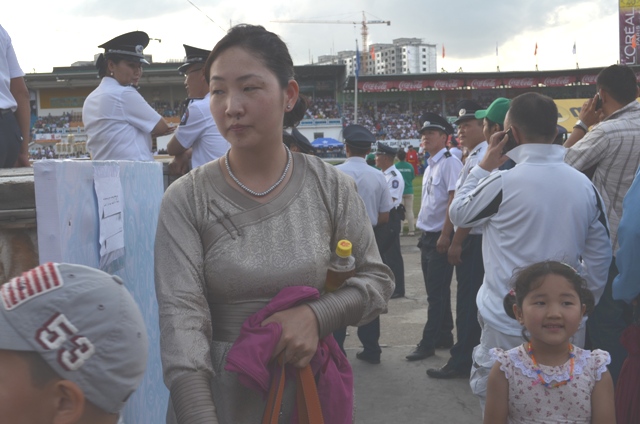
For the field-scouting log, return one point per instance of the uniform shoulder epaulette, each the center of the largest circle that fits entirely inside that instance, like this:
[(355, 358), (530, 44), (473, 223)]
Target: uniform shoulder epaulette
[(393, 173), (447, 154), (474, 153)]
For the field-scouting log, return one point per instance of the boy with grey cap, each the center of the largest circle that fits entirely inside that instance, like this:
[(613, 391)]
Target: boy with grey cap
[(73, 346)]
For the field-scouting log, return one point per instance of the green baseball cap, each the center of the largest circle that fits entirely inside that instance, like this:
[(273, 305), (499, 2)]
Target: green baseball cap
[(496, 111)]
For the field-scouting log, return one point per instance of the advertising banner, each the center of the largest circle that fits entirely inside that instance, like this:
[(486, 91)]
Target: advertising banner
[(521, 82), (484, 84), (568, 112), (629, 11)]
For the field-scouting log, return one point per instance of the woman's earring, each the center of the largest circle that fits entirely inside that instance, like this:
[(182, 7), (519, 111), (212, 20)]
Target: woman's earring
[(111, 74)]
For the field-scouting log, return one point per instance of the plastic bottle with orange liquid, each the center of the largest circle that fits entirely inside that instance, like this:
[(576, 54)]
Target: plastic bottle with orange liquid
[(341, 267)]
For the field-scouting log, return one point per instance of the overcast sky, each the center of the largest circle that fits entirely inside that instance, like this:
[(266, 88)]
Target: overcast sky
[(49, 33)]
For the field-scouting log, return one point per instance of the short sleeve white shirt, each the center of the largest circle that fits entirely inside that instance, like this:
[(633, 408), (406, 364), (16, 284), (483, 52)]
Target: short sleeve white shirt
[(439, 179), (474, 158), (118, 122), (396, 184), (198, 131), (9, 68), (372, 186), (456, 152)]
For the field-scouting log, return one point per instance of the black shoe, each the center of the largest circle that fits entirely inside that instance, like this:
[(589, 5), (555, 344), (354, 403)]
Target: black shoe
[(447, 372), (372, 358), (420, 353), (444, 345), (396, 295)]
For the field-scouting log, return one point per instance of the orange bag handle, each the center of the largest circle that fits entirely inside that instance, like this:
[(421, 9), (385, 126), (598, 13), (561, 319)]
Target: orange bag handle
[(309, 409)]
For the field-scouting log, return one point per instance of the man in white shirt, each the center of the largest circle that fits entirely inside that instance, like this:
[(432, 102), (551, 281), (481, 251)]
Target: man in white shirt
[(542, 209), (15, 111), (197, 138), (385, 156), (438, 185)]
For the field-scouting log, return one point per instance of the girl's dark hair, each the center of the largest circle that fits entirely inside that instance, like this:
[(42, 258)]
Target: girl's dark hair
[(273, 53), (529, 278)]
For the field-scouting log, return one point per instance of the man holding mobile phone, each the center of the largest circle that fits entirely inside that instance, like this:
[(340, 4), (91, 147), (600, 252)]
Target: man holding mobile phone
[(611, 147), (540, 210)]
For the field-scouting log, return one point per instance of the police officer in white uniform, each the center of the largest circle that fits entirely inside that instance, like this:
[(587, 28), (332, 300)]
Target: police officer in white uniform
[(15, 112), (438, 186), (385, 156), (374, 191), (197, 136), (118, 121), (297, 142), (465, 252)]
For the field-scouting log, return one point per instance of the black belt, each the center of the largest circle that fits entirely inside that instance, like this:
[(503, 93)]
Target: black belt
[(5, 111), (432, 233)]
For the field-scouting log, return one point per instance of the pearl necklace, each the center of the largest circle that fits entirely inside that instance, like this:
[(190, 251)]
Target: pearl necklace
[(247, 189), (572, 359)]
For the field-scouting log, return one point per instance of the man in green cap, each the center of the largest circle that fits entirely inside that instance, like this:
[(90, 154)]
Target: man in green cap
[(493, 118)]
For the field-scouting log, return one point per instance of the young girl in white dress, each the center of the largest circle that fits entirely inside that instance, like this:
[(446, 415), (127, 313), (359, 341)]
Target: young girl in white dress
[(547, 379)]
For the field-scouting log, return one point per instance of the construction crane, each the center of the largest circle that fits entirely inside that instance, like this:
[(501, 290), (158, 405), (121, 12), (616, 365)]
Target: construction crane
[(364, 32)]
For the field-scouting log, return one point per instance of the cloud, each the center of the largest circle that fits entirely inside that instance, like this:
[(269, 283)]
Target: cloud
[(128, 9), (467, 28)]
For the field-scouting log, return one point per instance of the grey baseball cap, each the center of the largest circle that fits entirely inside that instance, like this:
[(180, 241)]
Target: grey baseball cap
[(83, 323)]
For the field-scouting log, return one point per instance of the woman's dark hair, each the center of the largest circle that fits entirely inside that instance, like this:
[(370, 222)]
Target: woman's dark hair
[(103, 61), (531, 277), (273, 53)]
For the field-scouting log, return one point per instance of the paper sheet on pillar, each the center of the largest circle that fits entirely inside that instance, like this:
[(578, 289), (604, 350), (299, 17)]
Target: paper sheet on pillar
[(106, 180), (68, 231)]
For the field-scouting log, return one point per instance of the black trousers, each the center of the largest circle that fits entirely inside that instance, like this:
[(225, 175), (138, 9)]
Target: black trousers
[(10, 139), (393, 256), (606, 324), (437, 273), (469, 275), (369, 334)]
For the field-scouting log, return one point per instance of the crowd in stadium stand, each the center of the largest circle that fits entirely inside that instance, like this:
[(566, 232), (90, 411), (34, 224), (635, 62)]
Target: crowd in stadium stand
[(397, 119), (52, 124), (166, 109)]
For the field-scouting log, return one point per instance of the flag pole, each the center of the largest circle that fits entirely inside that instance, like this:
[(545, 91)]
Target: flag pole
[(497, 59), (355, 101), (575, 55)]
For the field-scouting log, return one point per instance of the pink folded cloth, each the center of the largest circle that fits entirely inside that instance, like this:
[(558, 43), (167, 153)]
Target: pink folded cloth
[(250, 357)]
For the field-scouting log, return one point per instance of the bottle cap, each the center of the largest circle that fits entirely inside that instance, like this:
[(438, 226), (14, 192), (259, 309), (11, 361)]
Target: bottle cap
[(343, 249)]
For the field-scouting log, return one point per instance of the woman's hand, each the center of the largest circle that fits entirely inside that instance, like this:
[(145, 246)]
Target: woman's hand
[(299, 339)]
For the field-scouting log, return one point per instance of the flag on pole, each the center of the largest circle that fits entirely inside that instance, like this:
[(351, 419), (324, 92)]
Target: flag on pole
[(574, 47), (443, 51), (535, 52), (357, 69)]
